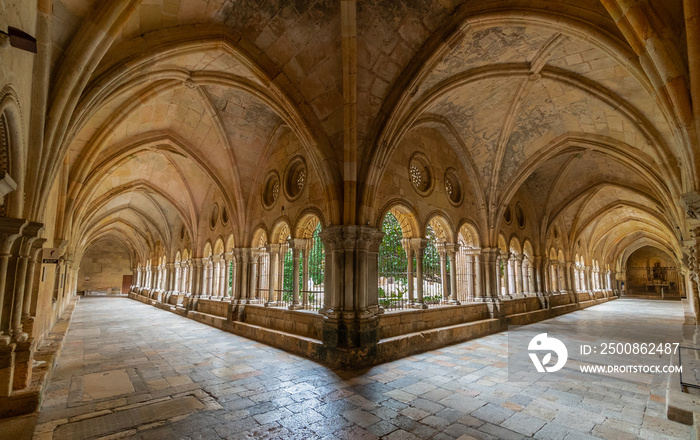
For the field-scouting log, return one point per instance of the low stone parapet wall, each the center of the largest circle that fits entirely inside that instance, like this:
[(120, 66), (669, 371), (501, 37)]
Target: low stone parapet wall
[(401, 333), (408, 321), (412, 343), (305, 323), (561, 299), (521, 305), (214, 307)]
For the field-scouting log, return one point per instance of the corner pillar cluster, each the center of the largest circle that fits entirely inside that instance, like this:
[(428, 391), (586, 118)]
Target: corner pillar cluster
[(351, 303)]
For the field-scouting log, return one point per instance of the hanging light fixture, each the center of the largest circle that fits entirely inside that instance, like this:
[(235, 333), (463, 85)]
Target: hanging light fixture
[(18, 38)]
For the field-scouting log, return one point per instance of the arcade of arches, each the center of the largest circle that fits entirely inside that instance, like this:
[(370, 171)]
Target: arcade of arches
[(337, 178)]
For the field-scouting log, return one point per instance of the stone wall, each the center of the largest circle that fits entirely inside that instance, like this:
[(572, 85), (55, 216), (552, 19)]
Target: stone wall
[(648, 257), (103, 266), (303, 323), (408, 321)]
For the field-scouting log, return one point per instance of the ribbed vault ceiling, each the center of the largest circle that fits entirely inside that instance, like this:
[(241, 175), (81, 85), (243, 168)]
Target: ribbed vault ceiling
[(191, 96)]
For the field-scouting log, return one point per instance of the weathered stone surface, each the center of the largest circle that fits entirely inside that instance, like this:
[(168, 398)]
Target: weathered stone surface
[(236, 386)]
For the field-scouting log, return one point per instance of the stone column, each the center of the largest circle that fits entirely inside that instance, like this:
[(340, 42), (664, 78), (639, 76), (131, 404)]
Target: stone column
[(519, 275), (186, 277), (280, 272), (178, 278), (29, 235), (564, 276), (505, 259), (229, 272), (248, 275), (499, 278), (10, 232), (170, 277), (196, 281), (542, 274), (212, 277), (478, 278), (350, 330), (589, 276), (25, 346), (451, 251), (240, 291), (203, 277), (406, 244), (569, 276), (209, 277), (274, 251), (553, 275), (561, 281), (419, 245), (225, 270), (155, 270), (305, 273), (491, 273), (238, 285), (469, 262), (31, 285), (297, 245), (220, 274), (443, 271)]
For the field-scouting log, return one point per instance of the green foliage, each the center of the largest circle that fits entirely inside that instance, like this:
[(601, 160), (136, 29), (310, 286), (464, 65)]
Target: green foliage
[(288, 285), (435, 299), (431, 257), (388, 300), (230, 280), (317, 266), (392, 257), (317, 259)]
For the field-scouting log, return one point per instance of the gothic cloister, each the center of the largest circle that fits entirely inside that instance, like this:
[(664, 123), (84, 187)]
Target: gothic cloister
[(352, 182)]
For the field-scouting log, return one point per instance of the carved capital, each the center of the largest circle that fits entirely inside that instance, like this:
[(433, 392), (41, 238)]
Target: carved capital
[(273, 249), (7, 185), (690, 202)]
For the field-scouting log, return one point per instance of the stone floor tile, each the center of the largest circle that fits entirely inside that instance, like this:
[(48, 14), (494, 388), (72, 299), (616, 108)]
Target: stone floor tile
[(523, 424), (250, 390), (360, 417), (381, 428), (401, 435)]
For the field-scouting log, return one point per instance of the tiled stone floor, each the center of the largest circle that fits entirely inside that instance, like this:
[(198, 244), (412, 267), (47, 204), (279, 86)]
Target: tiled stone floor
[(176, 378)]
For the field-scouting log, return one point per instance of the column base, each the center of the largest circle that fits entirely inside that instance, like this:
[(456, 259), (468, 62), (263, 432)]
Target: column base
[(19, 336), (296, 307), (350, 344), (420, 306), (271, 304), (454, 302), (24, 358), (28, 324), (7, 369)]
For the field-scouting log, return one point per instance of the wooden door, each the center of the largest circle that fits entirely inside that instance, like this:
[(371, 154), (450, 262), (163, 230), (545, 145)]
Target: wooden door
[(126, 283)]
